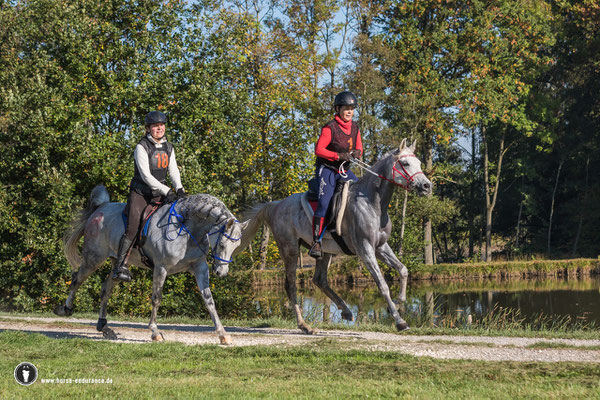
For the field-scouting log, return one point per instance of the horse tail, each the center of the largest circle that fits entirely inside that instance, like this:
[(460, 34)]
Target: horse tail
[(98, 197), (254, 219)]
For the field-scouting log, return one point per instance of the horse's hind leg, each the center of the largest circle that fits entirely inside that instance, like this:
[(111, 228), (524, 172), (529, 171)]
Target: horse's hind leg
[(290, 259), (386, 254), (320, 279), (91, 262), (202, 279), (158, 280)]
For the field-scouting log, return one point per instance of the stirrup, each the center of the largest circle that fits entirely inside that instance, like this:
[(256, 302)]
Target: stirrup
[(121, 273), (316, 251)]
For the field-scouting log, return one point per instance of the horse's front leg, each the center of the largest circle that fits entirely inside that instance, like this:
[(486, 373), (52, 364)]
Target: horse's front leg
[(320, 279), (202, 279), (367, 254), (386, 254), (158, 280)]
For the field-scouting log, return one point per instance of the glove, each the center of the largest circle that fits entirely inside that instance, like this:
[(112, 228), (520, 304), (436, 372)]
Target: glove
[(356, 153), (170, 197), (344, 157), (181, 193)]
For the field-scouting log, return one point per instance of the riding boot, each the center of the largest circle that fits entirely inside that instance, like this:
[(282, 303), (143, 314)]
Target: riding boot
[(316, 251), (120, 271)]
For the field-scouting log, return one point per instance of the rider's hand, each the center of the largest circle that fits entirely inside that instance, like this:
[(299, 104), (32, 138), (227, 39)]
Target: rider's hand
[(344, 157), (356, 153), (170, 197), (181, 193)]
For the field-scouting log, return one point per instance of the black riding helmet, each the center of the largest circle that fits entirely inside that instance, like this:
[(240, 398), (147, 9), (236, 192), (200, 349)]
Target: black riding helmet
[(345, 99), (155, 117)]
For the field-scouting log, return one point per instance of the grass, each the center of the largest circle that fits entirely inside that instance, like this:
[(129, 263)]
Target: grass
[(321, 370)]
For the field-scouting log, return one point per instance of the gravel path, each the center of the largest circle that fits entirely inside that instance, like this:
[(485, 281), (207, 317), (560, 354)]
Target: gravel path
[(450, 347)]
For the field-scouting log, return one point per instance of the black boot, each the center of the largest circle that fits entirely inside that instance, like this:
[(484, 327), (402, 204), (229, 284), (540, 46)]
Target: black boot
[(120, 271), (316, 251)]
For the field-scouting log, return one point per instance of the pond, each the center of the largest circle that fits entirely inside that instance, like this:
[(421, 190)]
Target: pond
[(550, 302)]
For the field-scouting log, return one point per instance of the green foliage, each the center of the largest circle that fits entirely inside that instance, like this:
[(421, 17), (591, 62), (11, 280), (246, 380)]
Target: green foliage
[(246, 87)]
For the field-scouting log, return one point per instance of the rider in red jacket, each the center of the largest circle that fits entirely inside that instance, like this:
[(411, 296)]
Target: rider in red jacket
[(339, 142)]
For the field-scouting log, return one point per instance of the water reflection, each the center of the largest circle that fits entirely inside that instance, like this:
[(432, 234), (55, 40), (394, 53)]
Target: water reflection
[(566, 302)]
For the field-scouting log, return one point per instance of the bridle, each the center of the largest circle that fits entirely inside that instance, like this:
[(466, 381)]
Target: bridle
[(220, 231), (403, 173)]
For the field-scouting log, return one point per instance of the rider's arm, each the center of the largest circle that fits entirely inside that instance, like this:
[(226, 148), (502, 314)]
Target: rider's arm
[(141, 160), (322, 143), (174, 172), (359, 145)]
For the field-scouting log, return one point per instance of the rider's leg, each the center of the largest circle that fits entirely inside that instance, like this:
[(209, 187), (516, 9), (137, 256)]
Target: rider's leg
[(135, 207), (327, 180)]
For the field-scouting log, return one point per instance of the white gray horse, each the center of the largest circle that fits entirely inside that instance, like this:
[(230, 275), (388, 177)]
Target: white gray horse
[(365, 229), (180, 238)]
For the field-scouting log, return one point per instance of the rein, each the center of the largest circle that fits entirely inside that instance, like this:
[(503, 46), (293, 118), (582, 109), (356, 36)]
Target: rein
[(404, 173), (221, 231)]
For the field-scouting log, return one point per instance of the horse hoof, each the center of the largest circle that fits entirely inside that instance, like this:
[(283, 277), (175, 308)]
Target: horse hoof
[(347, 315), (101, 324), (158, 337), (308, 330), (63, 311), (226, 340), (402, 326), (109, 334)]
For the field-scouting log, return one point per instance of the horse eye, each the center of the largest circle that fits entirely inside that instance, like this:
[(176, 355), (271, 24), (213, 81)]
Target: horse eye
[(405, 163)]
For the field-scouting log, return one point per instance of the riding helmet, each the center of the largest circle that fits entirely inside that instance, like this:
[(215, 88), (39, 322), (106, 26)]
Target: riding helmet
[(155, 117), (345, 99)]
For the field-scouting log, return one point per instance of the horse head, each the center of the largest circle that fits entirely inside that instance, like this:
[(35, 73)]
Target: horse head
[(406, 170), (223, 240)]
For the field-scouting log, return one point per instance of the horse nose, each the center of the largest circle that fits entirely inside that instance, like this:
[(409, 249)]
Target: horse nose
[(426, 187)]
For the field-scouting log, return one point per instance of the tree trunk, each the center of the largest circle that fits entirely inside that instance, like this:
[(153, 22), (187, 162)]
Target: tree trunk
[(264, 242), (471, 213), (491, 195), (426, 221), (403, 224), (581, 209), (552, 204)]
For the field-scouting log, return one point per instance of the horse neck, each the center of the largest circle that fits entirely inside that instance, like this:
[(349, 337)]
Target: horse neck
[(379, 191)]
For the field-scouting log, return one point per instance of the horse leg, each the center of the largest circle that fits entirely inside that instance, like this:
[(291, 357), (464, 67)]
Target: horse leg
[(202, 279), (107, 289), (320, 279), (367, 254), (386, 254), (158, 280), (290, 258), (91, 262)]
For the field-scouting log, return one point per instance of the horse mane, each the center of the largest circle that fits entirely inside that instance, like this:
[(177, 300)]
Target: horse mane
[(381, 166), (204, 206)]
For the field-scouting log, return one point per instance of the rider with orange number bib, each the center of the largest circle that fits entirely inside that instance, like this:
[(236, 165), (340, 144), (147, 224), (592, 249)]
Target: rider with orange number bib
[(154, 157), (338, 143)]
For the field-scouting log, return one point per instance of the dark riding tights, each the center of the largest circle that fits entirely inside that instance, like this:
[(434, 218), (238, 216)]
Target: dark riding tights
[(134, 209)]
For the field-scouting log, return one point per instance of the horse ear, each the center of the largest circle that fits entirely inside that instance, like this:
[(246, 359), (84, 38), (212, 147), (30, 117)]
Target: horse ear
[(402, 144), (413, 146), (230, 222)]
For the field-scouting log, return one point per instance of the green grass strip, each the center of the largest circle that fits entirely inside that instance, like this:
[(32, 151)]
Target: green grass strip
[(173, 370)]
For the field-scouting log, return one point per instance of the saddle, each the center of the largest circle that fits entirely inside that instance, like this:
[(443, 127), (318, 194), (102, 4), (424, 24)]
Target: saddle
[(142, 235), (335, 211)]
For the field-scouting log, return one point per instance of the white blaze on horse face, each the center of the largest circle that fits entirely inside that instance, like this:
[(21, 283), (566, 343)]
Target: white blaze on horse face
[(228, 242)]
